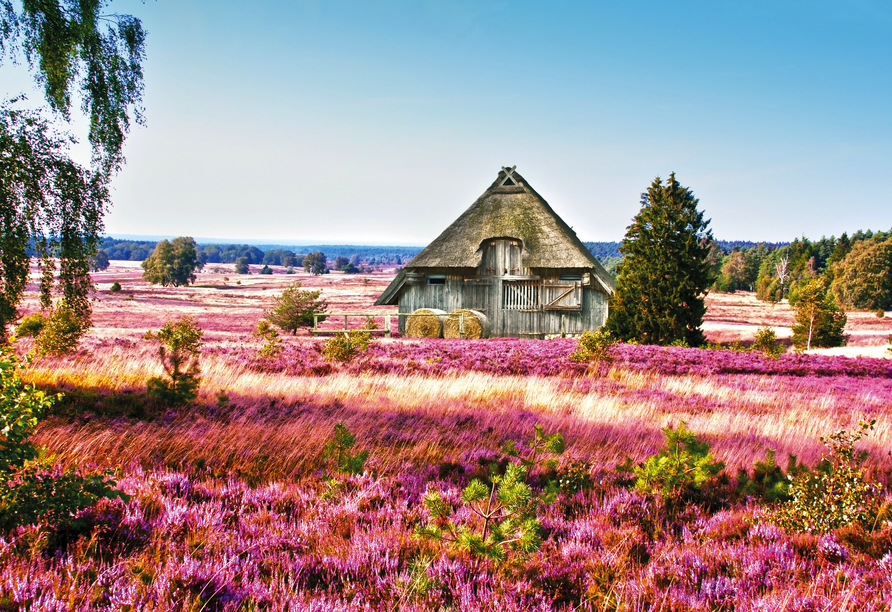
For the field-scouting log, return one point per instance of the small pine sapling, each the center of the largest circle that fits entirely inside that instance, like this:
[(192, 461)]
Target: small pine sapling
[(536, 455), (503, 518), (680, 469), (769, 481), (340, 449), (273, 346), (835, 494), (179, 351)]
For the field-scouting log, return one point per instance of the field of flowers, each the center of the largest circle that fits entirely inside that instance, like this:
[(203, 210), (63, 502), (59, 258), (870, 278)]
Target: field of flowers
[(233, 506)]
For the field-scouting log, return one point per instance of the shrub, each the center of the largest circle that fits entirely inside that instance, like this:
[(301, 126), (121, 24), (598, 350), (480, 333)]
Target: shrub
[(241, 266), (62, 331), (766, 342), (680, 469), (769, 482), (179, 352), (296, 308), (835, 494), (31, 326), (345, 346), (596, 347), (116, 286), (880, 313), (266, 270), (31, 491)]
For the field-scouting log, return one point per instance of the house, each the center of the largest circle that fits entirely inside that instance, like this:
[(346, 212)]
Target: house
[(511, 257)]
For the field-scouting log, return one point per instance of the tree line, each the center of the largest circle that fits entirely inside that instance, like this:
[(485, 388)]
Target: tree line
[(856, 269)]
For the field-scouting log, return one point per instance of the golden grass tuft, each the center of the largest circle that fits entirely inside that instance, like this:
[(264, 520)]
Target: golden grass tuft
[(425, 323)]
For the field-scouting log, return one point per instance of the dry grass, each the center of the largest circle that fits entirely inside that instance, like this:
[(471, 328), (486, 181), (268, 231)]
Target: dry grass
[(275, 425)]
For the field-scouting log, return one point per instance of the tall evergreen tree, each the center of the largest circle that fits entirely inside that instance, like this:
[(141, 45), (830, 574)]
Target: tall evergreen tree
[(664, 277)]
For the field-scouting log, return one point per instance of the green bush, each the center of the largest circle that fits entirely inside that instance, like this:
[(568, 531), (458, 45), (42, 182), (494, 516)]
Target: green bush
[(273, 346), (766, 342), (62, 331), (345, 346), (116, 286), (266, 270), (835, 494), (179, 351), (597, 348), (679, 470), (31, 490), (31, 326), (769, 482)]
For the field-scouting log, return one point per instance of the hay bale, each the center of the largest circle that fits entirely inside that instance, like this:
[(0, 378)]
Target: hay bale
[(476, 325), (425, 323)]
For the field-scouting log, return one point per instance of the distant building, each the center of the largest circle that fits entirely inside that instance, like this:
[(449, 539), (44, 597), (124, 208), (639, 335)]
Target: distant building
[(512, 258)]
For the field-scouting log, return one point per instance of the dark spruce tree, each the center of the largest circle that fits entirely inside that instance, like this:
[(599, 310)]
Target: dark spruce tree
[(664, 277)]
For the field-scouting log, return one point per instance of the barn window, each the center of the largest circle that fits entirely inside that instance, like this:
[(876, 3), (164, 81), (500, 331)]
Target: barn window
[(571, 277), (436, 279), (521, 295)]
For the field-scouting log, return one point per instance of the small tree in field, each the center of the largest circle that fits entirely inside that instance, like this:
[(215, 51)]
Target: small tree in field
[(819, 322), (172, 263), (295, 308), (314, 263), (179, 352)]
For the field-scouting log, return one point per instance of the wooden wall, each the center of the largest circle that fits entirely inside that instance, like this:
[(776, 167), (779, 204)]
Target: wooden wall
[(485, 293)]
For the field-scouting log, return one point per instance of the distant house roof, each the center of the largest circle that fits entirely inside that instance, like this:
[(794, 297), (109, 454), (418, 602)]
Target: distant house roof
[(510, 208)]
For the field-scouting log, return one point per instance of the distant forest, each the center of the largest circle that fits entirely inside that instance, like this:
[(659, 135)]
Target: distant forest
[(272, 254), (287, 255)]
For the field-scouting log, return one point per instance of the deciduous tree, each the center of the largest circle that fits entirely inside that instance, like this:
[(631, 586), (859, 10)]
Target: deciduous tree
[(819, 321), (864, 278), (172, 263), (50, 205), (314, 263), (664, 277)]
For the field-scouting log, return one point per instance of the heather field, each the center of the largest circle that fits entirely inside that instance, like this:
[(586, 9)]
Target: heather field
[(232, 505)]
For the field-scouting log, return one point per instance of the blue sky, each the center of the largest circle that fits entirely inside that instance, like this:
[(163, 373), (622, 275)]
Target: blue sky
[(381, 121)]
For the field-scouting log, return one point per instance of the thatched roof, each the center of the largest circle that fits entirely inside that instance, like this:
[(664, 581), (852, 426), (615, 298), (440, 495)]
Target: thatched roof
[(510, 208)]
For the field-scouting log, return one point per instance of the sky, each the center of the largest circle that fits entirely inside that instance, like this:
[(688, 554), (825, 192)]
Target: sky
[(381, 121)]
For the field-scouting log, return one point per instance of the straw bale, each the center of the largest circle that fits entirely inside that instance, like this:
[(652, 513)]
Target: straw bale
[(425, 323), (475, 324)]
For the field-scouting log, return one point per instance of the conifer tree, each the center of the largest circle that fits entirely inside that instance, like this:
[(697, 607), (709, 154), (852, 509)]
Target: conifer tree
[(659, 297)]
